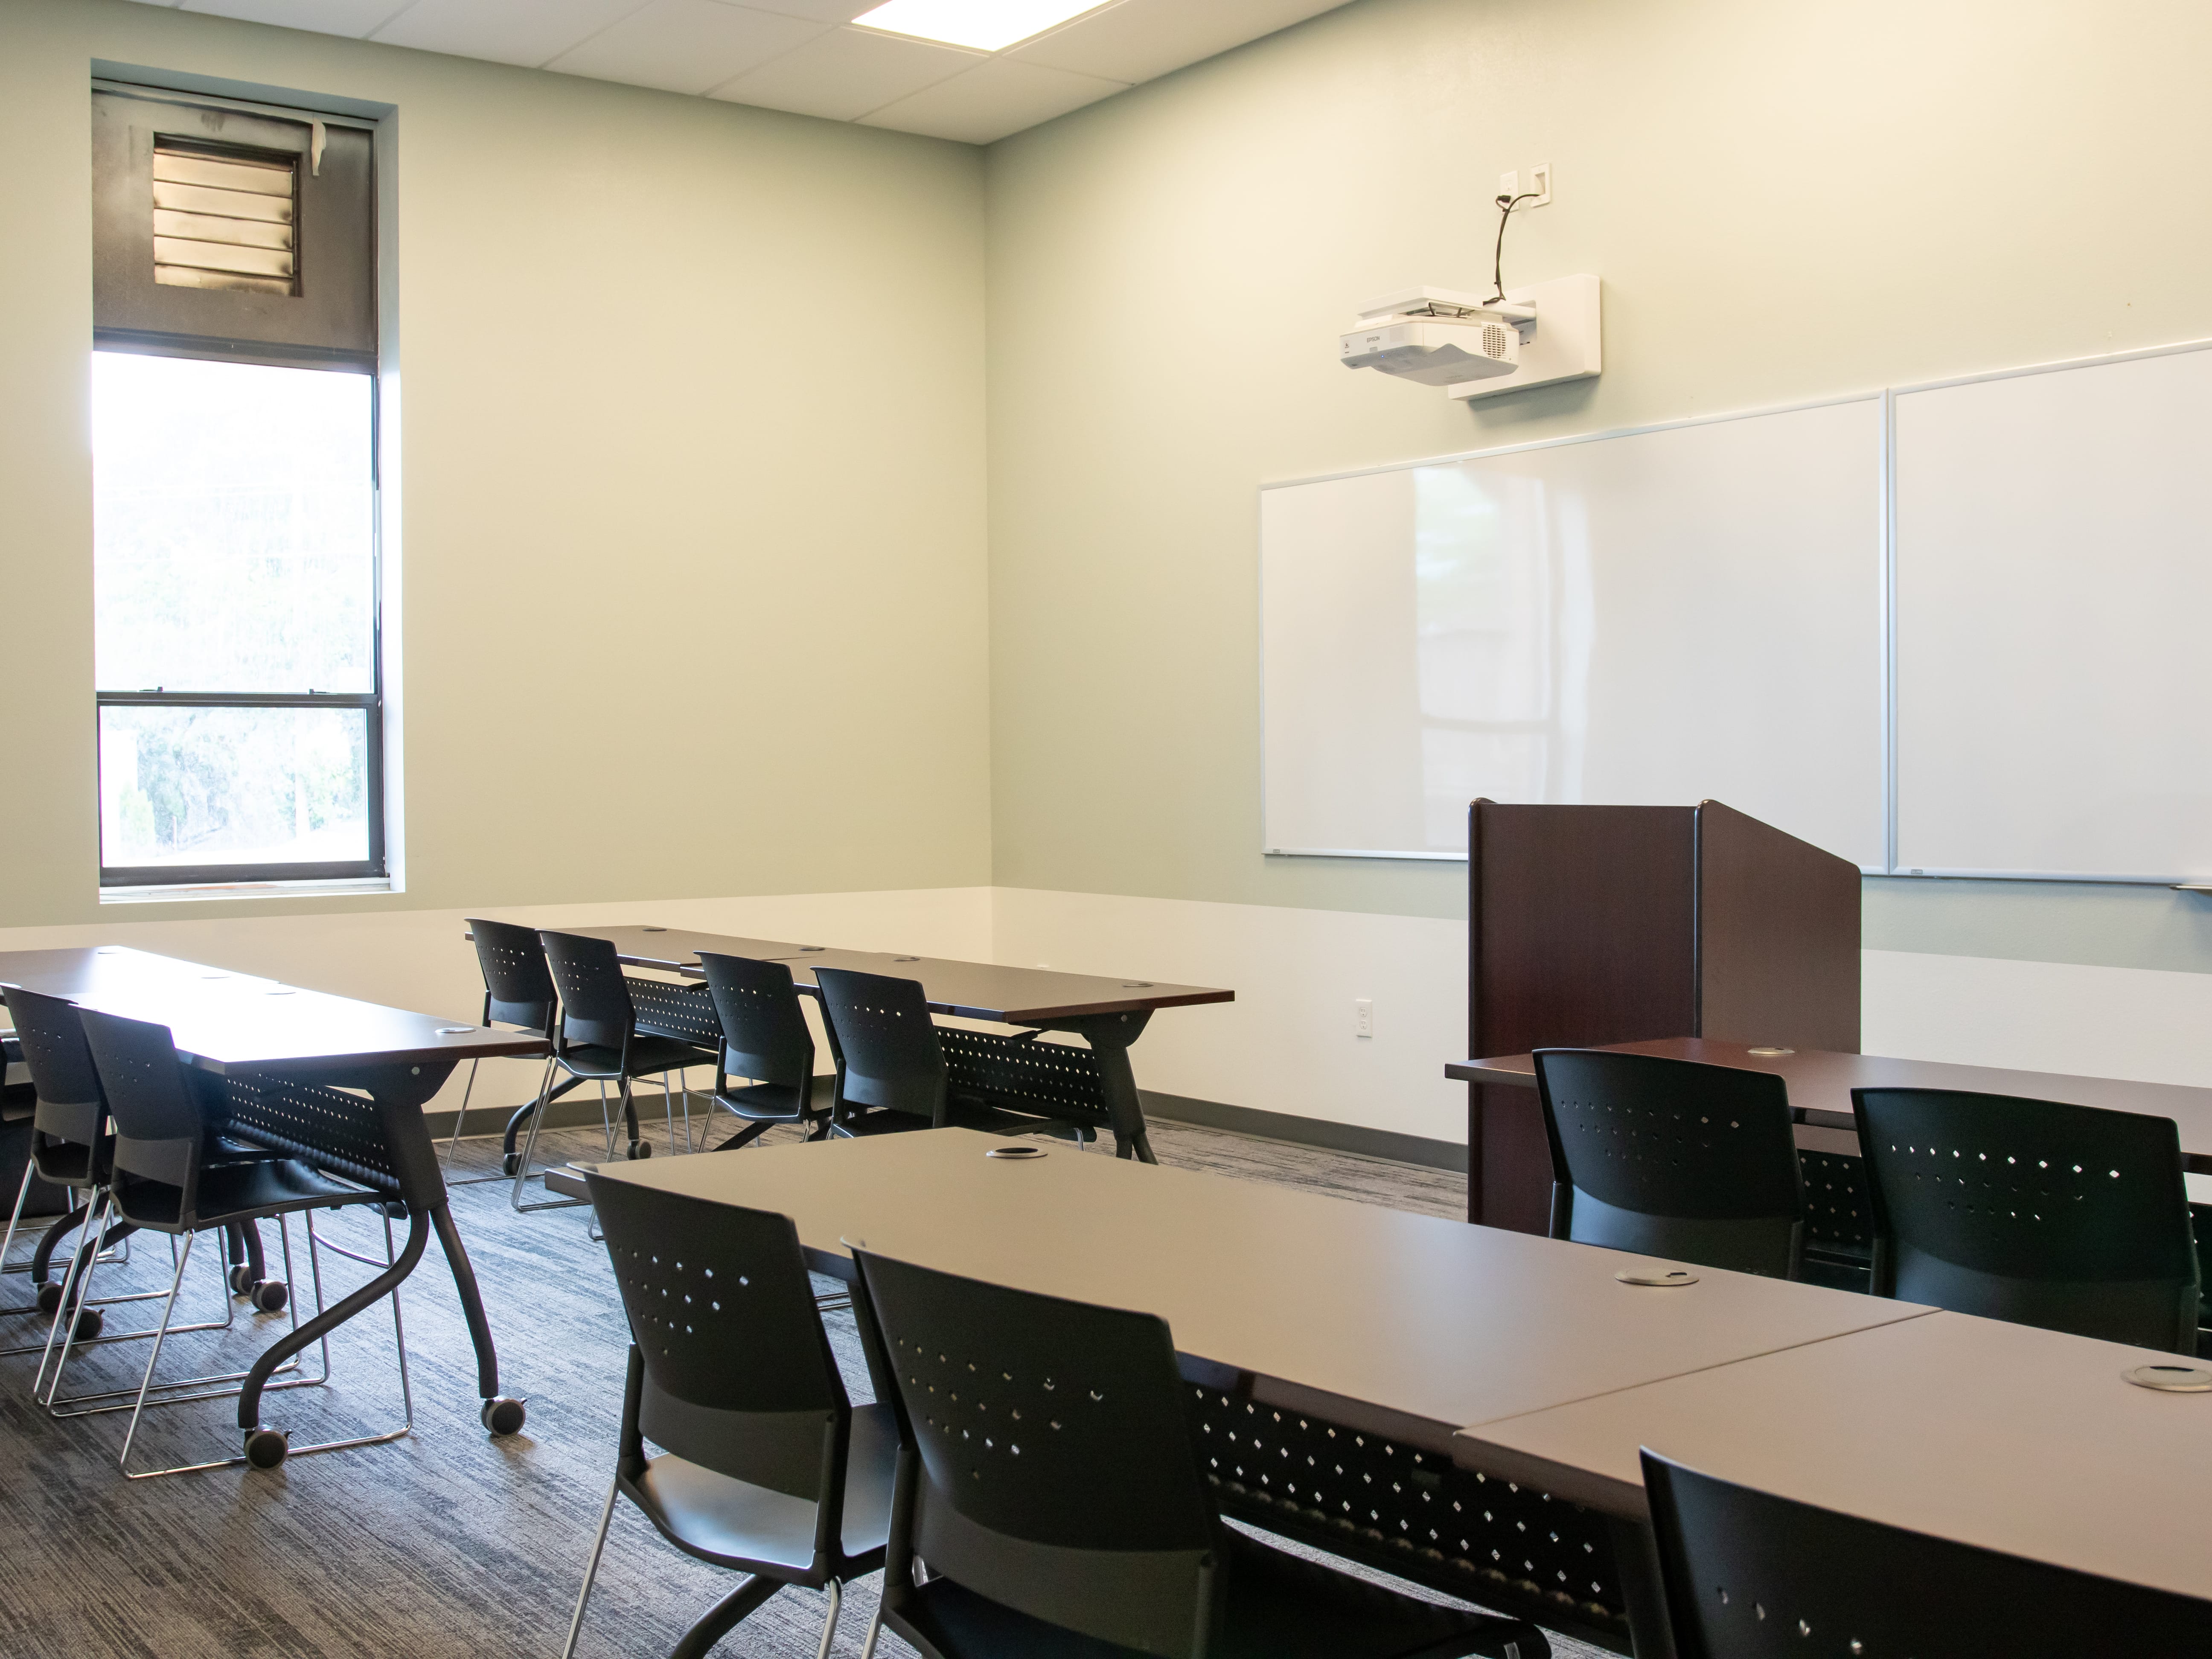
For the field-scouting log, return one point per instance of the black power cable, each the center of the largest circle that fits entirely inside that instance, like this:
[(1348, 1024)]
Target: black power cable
[(1505, 206)]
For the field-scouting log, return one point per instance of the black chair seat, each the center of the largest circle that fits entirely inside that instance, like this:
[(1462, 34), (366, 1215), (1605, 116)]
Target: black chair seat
[(766, 1102), (236, 1192), (736, 1524), (648, 1055), (1278, 1607)]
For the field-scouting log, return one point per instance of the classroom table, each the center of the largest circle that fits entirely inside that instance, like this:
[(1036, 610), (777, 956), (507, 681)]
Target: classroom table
[(1839, 1231), (1821, 1083), (2007, 1437), (289, 1060), (1109, 1013), (1335, 1348)]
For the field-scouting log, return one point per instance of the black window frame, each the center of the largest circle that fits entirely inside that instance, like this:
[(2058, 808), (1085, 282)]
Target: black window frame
[(341, 340)]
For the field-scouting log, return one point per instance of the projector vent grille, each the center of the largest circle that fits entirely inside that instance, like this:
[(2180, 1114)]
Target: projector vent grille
[(1493, 340)]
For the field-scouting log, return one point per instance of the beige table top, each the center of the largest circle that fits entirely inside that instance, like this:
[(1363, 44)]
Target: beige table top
[(225, 1022), (968, 990), (1820, 1083), (2004, 1435), (1406, 1325)]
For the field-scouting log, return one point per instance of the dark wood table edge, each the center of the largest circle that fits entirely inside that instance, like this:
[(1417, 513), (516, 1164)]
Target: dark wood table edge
[(1502, 1070), (1039, 1016), (506, 1047)]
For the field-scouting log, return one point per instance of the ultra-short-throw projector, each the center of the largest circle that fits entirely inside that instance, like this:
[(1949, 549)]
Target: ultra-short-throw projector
[(1437, 336)]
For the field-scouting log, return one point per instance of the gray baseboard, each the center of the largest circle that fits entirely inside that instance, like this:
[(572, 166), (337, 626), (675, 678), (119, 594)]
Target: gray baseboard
[(1307, 1131)]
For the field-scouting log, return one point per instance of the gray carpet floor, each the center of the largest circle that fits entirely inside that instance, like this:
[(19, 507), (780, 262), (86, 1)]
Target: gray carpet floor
[(444, 1543)]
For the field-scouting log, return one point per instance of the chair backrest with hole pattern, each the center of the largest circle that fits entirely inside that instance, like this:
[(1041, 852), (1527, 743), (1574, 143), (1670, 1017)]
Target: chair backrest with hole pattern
[(738, 1373), (517, 985), (63, 1077), (1056, 1471), (2045, 1213), (1752, 1576), (886, 1049), (764, 1034), (1673, 1158)]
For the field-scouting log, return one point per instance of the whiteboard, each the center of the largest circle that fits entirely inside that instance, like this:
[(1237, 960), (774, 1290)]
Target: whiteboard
[(1654, 617), (2054, 581)]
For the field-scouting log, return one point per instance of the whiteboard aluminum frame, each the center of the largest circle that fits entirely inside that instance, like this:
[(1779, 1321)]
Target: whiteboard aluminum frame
[(1927, 873), (1881, 395)]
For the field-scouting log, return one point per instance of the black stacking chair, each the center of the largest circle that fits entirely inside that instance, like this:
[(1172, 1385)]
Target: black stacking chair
[(768, 1468), (1751, 1575), (168, 1176), (68, 1145), (518, 991), (766, 1042), (2073, 1218), (890, 1066), (1673, 1158), (596, 1040), (71, 1147), (1047, 1474)]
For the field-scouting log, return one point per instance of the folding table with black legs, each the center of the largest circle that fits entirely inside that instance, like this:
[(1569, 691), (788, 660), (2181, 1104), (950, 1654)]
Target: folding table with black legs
[(1094, 1085), (338, 1082)]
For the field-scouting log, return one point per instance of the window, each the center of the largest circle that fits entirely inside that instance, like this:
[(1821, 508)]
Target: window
[(238, 675)]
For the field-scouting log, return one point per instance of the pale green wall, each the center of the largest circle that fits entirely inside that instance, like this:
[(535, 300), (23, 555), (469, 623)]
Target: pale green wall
[(692, 452), (1784, 201)]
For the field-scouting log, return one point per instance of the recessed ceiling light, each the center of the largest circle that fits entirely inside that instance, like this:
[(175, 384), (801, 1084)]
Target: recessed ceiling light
[(985, 24)]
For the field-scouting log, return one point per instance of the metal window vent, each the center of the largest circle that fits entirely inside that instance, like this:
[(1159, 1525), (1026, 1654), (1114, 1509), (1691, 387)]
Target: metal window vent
[(225, 220)]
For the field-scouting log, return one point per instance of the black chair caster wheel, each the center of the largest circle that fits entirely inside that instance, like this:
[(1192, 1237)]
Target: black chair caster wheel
[(639, 1149), (89, 1321), (509, 1164), (503, 1416), (241, 1279), (50, 1299), (266, 1448), (269, 1295)]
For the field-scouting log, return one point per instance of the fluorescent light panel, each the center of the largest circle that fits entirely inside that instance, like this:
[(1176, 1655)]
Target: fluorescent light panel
[(984, 25)]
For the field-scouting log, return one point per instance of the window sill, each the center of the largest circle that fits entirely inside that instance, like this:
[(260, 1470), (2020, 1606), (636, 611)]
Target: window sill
[(245, 890)]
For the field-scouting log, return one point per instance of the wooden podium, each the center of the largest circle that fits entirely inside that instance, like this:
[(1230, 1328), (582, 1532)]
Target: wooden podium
[(1590, 925)]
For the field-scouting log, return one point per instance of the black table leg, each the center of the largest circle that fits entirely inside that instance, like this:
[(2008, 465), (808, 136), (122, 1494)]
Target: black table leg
[(520, 1120), (292, 1342), (472, 1309), (1109, 1036), (392, 1152)]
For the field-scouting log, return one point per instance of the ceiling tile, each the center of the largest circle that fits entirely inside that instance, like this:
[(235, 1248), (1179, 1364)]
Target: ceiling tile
[(503, 31), (1138, 40), (354, 17), (685, 46), (821, 11), (996, 97), (846, 73)]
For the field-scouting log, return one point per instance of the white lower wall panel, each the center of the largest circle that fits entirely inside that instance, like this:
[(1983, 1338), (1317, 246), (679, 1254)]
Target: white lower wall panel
[(2150, 1026), (418, 959), (1286, 1044)]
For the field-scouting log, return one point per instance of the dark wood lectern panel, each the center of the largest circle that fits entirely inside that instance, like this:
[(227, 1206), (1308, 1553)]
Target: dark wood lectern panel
[(1571, 906), (1589, 926), (1778, 949)]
